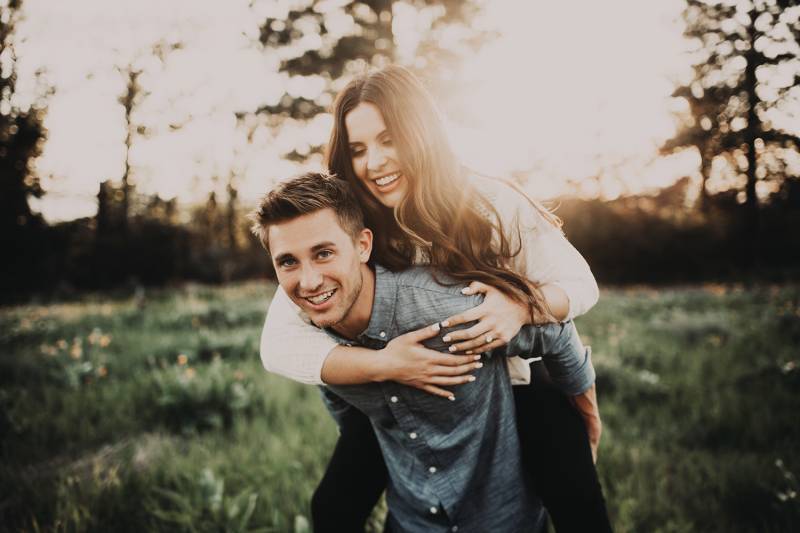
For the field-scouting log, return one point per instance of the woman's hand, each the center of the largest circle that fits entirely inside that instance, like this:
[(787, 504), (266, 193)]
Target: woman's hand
[(405, 360), (499, 318)]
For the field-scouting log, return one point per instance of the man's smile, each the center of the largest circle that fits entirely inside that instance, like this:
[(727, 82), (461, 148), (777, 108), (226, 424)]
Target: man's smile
[(319, 299)]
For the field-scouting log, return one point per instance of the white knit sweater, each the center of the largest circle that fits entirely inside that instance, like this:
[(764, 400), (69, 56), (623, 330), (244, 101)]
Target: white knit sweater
[(294, 348)]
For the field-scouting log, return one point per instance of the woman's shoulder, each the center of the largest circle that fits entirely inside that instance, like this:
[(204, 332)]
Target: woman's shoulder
[(513, 205)]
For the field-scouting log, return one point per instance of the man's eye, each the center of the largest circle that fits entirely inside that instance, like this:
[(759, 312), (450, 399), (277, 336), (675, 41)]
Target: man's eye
[(284, 263), (387, 141), (324, 254)]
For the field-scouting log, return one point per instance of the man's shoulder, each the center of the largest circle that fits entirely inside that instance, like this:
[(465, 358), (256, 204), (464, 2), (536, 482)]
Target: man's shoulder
[(424, 279), (425, 296)]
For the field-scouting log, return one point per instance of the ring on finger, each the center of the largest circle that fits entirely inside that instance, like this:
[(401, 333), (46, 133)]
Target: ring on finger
[(489, 339)]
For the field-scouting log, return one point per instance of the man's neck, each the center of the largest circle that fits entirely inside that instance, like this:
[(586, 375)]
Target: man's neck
[(357, 319)]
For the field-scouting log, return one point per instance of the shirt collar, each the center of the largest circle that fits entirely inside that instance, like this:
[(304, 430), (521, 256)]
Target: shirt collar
[(381, 320)]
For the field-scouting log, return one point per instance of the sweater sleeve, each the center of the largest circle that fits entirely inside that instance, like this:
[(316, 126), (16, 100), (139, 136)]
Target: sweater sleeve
[(545, 255), (290, 346)]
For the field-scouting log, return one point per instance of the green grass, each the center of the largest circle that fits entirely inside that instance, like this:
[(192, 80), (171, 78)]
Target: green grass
[(154, 414)]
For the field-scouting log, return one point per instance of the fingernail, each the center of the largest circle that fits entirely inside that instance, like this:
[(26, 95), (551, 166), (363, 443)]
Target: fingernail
[(446, 338), (451, 398), (468, 352), (471, 378), (478, 365), (477, 357), (465, 290), (452, 348), (445, 324), (436, 327)]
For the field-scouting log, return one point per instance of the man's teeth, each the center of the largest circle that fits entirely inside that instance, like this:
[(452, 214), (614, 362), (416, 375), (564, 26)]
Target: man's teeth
[(318, 299), (386, 180)]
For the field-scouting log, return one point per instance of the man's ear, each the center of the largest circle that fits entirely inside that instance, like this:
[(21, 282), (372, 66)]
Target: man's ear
[(364, 244)]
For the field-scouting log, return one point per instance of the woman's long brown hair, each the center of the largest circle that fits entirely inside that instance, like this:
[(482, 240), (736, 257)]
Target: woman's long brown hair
[(441, 214)]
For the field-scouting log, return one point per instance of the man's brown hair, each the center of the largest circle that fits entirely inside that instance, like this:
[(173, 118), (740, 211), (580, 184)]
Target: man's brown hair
[(303, 195)]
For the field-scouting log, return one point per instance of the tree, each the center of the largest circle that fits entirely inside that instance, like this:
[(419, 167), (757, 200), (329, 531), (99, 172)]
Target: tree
[(370, 40), (738, 92), (21, 135)]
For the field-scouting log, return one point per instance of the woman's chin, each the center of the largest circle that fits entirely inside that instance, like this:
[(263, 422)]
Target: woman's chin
[(391, 197)]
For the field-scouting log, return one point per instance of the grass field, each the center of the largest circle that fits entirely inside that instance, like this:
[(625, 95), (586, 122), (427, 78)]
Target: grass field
[(154, 414)]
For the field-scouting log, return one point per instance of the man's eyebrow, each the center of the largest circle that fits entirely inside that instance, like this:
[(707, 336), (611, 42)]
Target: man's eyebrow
[(280, 258), (326, 244)]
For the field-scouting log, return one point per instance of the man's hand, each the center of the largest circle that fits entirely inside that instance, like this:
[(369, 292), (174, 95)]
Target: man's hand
[(586, 404)]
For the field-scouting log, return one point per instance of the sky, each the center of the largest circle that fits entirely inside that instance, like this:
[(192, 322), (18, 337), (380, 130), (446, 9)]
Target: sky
[(572, 91)]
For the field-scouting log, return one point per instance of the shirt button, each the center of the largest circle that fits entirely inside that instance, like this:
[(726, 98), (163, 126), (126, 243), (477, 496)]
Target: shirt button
[(382, 334), (393, 399), (434, 510), (432, 470), (412, 435), (454, 529)]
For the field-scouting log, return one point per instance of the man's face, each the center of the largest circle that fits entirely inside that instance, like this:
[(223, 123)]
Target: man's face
[(319, 265)]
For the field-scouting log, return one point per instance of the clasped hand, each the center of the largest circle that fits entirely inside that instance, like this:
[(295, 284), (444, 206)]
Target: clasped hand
[(496, 320), (410, 363)]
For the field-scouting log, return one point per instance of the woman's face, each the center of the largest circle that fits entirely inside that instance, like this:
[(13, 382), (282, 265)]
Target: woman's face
[(374, 155)]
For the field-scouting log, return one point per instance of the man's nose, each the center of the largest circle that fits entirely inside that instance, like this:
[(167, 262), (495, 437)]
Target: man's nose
[(310, 278), (376, 159)]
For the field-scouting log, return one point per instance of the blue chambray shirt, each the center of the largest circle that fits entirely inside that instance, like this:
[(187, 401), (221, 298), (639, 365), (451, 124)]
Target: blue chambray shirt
[(453, 466)]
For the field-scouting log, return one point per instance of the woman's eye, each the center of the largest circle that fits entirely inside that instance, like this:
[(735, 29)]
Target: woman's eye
[(324, 254), (286, 263), (357, 152)]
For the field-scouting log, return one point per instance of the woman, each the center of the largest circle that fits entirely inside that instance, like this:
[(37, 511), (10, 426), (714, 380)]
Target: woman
[(424, 207)]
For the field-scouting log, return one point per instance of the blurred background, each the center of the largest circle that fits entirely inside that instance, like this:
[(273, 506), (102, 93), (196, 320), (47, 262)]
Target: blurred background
[(136, 136)]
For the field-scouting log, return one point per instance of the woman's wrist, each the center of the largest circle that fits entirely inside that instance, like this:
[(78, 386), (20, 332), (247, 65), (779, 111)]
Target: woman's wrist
[(353, 365)]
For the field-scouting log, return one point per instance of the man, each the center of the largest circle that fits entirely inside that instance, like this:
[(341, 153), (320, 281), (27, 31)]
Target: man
[(453, 466)]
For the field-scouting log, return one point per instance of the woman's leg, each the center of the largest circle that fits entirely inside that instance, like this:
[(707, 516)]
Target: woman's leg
[(557, 456), (354, 480)]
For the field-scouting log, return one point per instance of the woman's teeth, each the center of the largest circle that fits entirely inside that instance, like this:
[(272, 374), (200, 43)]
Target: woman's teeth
[(386, 180), (320, 298)]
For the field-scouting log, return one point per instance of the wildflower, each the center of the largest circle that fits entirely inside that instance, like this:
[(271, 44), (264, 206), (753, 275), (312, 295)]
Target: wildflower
[(189, 373), (62, 344), (238, 375), (105, 340), (77, 350), (102, 371), (94, 336), (182, 359)]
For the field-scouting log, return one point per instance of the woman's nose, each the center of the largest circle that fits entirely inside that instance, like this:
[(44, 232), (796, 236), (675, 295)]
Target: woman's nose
[(376, 159)]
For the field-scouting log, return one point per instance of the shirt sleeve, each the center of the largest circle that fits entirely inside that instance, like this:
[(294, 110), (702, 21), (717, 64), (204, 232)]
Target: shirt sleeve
[(290, 346), (568, 361), (546, 256)]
